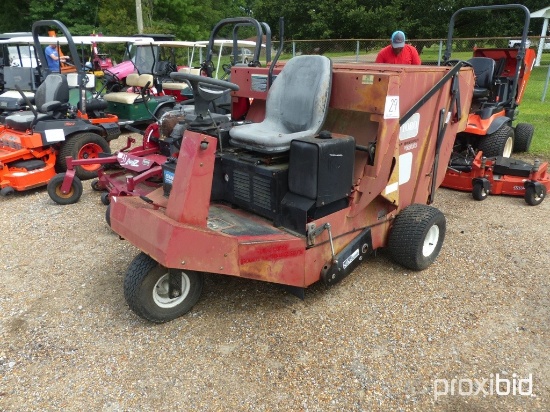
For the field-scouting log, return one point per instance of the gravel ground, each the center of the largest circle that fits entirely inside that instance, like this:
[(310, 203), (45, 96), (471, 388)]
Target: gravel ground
[(383, 339)]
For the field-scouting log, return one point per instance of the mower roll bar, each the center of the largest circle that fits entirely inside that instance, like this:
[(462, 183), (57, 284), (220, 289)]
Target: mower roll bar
[(75, 57), (521, 51), (267, 43), (279, 51), (232, 21)]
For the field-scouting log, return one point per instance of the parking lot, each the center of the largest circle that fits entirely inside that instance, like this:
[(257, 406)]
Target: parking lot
[(470, 333)]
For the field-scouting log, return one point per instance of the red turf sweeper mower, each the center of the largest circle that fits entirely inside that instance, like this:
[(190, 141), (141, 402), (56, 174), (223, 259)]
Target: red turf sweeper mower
[(333, 162)]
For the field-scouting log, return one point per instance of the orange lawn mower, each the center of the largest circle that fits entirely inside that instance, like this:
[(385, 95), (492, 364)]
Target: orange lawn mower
[(333, 162), (34, 144), (481, 161), (501, 78), (498, 176)]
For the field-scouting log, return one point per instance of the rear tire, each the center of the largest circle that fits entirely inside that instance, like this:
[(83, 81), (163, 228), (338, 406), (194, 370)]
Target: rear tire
[(499, 143), (416, 236), (83, 146), (532, 198), (146, 290), (54, 190), (524, 135)]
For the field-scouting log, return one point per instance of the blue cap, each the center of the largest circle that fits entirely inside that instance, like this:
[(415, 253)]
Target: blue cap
[(398, 39)]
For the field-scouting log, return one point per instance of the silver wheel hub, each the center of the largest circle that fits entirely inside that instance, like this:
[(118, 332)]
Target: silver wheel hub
[(430, 241), (161, 290), (508, 147)]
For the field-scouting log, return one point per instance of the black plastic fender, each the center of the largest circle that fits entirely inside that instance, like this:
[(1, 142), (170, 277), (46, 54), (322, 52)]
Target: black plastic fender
[(66, 127), (497, 123)]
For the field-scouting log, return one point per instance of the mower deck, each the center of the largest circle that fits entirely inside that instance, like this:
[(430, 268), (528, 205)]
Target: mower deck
[(233, 242)]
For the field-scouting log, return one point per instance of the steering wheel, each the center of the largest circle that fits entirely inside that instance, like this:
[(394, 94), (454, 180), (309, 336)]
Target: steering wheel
[(195, 80), (454, 62), (201, 94)]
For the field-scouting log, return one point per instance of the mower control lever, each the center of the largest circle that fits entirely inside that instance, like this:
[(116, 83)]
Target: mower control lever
[(314, 231)]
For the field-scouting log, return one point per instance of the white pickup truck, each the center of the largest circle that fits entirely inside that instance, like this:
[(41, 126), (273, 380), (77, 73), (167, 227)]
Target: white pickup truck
[(516, 42)]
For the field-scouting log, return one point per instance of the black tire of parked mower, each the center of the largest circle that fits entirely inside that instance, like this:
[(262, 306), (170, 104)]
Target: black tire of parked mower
[(73, 145), (532, 198), (96, 186), (54, 190), (142, 282), (7, 191), (479, 192), (523, 137), (108, 215), (494, 144), (409, 234), (105, 199)]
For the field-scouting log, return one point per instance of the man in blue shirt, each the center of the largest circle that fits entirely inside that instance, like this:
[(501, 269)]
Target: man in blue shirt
[(53, 59)]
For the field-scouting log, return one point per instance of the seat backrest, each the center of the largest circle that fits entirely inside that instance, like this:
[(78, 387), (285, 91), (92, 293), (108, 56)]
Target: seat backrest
[(53, 88), (132, 80), (190, 70), (145, 80), (299, 97), (484, 69), (296, 106), (72, 80)]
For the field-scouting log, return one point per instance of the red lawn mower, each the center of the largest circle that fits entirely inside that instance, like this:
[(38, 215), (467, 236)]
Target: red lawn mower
[(139, 170), (331, 163)]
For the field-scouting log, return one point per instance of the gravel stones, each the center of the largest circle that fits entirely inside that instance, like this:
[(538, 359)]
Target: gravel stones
[(376, 341)]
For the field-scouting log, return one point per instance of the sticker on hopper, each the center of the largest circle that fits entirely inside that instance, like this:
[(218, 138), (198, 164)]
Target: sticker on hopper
[(391, 111)]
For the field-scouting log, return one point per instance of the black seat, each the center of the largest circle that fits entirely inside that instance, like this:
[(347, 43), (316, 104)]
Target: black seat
[(484, 69), (51, 100), (296, 106)]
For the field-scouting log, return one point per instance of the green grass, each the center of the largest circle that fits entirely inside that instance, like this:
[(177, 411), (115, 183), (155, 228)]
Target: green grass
[(533, 110)]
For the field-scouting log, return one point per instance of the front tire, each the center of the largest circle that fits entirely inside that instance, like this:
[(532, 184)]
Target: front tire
[(479, 192), (532, 198), (83, 146), (499, 143), (416, 236), (54, 190), (146, 290)]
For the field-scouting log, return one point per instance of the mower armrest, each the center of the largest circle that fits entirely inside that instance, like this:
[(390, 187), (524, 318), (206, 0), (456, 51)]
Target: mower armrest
[(51, 106)]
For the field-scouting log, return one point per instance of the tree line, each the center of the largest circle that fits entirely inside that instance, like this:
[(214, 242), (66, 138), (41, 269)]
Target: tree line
[(304, 19)]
